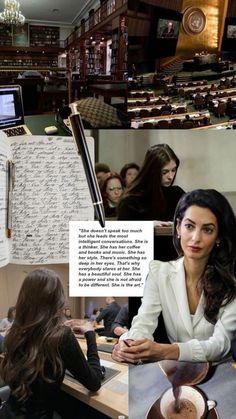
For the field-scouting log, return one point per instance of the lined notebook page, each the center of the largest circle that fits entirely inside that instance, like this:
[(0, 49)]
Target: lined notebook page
[(4, 155), (50, 190)]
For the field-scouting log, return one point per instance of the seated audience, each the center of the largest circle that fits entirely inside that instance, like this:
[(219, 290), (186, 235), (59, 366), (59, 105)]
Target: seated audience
[(188, 122), (121, 322), (39, 348), (108, 315), (111, 190), (7, 321), (213, 87), (229, 107), (166, 107), (129, 172), (196, 293)]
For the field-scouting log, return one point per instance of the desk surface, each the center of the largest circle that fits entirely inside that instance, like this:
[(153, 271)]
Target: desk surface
[(37, 123), (147, 382), (112, 398)]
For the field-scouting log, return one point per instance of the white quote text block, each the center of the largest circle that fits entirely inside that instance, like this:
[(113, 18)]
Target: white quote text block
[(110, 261)]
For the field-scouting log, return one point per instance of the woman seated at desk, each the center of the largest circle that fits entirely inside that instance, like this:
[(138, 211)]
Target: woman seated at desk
[(39, 348), (153, 196), (195, 293)]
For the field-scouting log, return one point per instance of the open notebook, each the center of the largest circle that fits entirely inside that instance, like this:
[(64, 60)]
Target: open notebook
[(12, 112)]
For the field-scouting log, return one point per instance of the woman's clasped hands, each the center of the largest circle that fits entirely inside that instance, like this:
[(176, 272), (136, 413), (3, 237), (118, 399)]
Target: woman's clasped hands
[(138, 351)]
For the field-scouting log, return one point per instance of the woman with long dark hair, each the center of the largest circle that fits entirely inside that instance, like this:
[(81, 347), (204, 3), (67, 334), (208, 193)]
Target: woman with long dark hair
[(152, 196), (39, 348), (196, 293)]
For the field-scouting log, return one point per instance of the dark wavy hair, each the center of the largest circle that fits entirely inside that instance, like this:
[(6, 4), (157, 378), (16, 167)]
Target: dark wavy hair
[(126, 167), (147, 184), (218, 279), (33, 340)]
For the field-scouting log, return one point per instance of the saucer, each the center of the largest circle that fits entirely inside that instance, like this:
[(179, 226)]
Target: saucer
[(154, 412)]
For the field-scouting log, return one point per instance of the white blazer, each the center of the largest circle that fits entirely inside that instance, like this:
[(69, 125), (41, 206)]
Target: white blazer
[(198, 340)]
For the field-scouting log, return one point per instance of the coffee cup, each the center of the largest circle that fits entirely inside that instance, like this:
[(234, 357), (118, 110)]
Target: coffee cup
[(195, 402)]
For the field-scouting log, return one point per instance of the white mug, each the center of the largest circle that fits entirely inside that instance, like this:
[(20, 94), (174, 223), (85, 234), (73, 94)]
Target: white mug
[(192, 394)]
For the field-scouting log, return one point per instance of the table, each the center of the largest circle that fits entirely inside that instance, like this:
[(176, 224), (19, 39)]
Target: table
[(147, 382), (109, 90), (197, 117), (37, 123), (206, 59), (112, 398)]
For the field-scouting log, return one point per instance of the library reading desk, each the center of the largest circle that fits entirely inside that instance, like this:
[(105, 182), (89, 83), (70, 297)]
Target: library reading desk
[(37, 123)]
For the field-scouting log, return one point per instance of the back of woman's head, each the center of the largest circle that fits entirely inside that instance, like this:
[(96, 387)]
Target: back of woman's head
[(41, 299), (219, 276), (126, 167), (35, 334)]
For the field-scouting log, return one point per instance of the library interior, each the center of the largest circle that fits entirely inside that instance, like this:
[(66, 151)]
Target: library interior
[(137, 73), (137, 63)]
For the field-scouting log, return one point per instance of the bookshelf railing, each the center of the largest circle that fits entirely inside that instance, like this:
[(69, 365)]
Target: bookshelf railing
[(107, 9)]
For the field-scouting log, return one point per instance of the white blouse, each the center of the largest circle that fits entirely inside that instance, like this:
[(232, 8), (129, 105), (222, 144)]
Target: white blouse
[(198, 339)]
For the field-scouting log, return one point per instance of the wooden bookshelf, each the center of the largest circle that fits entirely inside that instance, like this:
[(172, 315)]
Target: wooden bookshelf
[(119, 49), (44, 36), (114, 53), (42, 50), (5, 35)]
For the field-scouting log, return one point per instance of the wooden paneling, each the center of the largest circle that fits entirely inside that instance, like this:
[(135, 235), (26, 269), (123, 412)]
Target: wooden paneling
[(167, 4), (231, 8), (138, 27), (209, 39)]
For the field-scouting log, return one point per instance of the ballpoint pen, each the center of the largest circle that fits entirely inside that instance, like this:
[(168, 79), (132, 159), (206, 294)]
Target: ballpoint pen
[(79, 136), (9, 198)]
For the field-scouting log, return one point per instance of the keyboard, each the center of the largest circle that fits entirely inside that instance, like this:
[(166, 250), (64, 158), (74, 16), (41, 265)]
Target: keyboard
[(12, 132)]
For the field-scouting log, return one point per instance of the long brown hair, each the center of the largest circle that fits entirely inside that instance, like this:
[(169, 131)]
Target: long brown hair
[(218, 279), (34, 337), (147, 184)]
